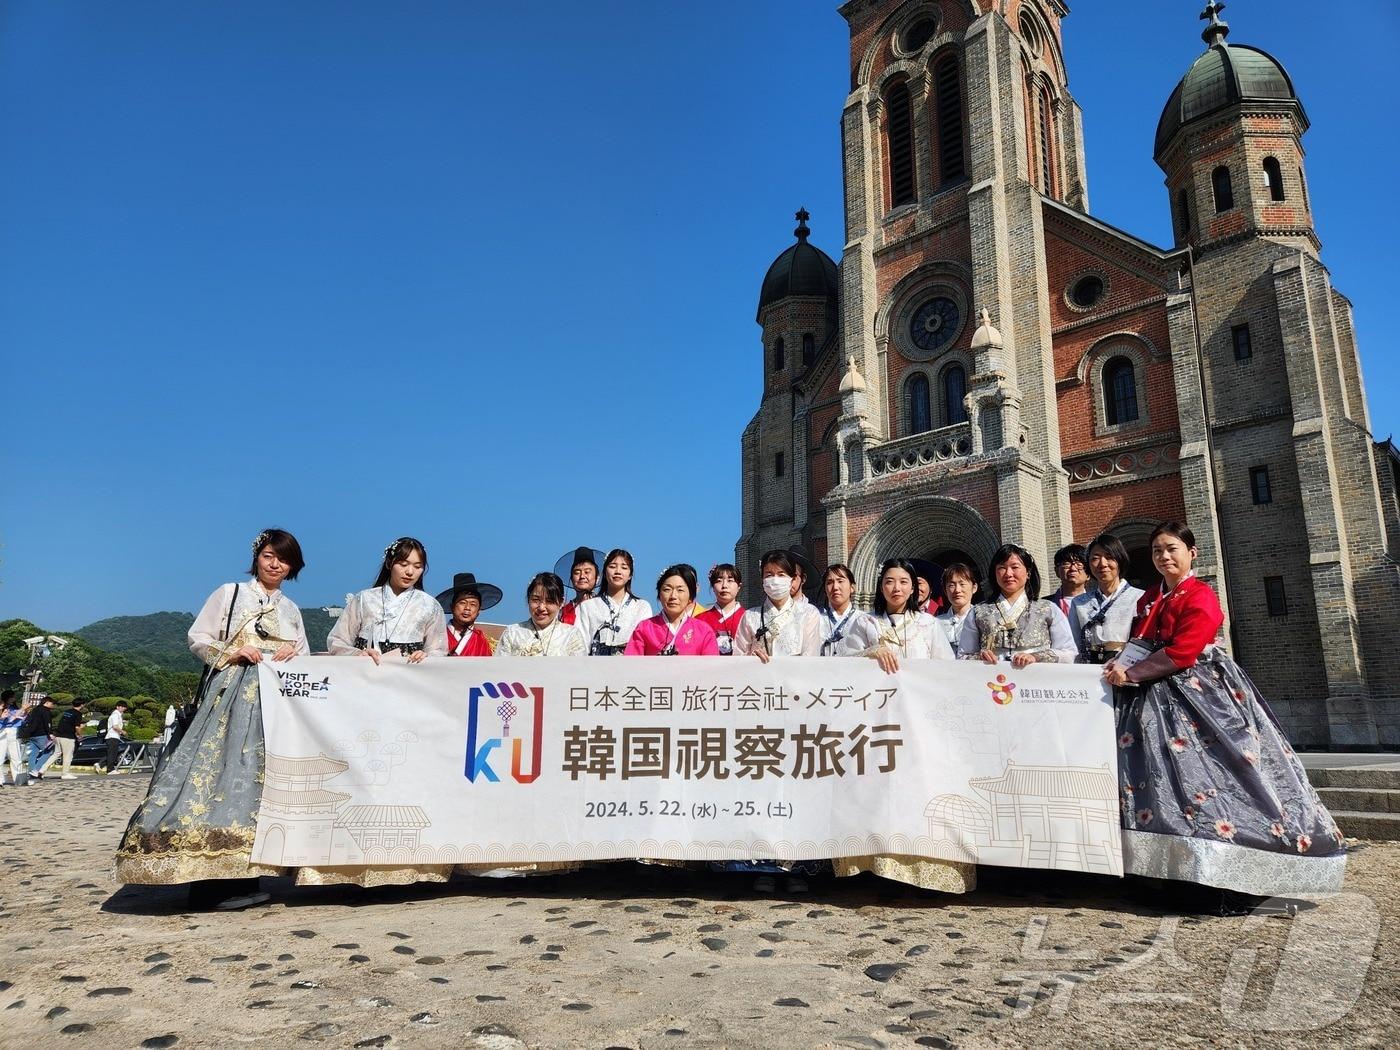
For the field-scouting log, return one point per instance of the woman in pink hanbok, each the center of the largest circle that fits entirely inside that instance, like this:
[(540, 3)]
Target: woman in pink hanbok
[(675, 630)]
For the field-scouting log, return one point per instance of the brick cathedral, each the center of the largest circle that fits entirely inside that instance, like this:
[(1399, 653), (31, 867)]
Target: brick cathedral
[(990, 361)]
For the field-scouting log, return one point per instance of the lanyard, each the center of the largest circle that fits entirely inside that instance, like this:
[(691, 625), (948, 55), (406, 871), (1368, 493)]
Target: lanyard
[(836, 629)]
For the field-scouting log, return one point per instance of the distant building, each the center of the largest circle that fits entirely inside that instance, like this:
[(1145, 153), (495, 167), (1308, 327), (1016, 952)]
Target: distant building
[(989, 361)]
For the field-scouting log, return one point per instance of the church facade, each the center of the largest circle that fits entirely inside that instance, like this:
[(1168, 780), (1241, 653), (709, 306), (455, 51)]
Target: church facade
[(990, 361)]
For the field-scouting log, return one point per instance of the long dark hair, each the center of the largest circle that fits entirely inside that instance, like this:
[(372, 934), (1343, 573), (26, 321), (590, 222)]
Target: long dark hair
[(617, 552), (284, 545), (1003, 555), (399, 550), (881, 608)]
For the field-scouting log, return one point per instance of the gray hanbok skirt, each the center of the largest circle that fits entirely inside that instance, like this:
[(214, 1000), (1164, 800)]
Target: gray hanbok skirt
[(1212, 793), (201, 813)]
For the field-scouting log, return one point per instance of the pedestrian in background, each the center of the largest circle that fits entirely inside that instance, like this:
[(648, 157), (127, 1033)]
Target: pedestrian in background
[(11, 718), (116, 730), (66, 735), (36, 735)]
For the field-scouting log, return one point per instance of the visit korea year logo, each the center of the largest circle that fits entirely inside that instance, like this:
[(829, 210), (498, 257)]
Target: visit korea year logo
[(494, 709)]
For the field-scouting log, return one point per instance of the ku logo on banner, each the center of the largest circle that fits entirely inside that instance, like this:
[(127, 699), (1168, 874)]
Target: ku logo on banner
[(506, 702)]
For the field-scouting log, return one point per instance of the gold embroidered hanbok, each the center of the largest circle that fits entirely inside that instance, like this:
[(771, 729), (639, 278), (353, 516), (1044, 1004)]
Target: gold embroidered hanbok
[(200, 815)]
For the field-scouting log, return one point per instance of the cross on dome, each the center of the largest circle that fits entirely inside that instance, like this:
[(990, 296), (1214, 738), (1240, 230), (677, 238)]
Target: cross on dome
[(801, 233), (1218, 29)]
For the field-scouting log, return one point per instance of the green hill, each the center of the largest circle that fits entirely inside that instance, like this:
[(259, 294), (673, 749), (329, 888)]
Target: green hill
[(159, 638)]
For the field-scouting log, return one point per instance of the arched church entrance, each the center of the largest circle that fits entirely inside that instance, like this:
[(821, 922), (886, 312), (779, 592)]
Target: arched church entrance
[(934, 528), (1140, 571)]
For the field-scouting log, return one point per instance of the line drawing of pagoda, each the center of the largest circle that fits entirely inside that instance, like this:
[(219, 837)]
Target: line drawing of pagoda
[(296, 805), (1062, 817), (304, 823)]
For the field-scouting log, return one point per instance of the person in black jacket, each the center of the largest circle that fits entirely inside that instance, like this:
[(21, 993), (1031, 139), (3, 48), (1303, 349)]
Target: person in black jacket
[(36, 738), (66, 735)]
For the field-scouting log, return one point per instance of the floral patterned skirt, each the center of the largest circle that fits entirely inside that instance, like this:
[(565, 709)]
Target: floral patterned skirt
[(1212, 793), (200, 815)]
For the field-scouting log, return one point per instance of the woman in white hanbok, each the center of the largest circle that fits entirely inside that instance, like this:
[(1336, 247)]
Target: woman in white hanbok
[(846, 630), (396, 617), (782, 625), (197, 822), (607, 621), (542, 633), (907, 634)]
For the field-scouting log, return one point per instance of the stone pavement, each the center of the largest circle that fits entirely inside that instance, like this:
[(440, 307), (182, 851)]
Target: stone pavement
[(649, 957)]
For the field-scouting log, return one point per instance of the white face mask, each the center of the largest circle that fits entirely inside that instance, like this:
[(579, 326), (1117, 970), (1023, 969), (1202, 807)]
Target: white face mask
[(777, 587)]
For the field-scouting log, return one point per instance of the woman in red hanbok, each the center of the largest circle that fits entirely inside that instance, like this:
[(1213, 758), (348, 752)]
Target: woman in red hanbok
[(1211, 791)]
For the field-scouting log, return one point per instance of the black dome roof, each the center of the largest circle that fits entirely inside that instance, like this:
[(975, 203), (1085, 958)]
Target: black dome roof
[(801, 270), (1224, 75)]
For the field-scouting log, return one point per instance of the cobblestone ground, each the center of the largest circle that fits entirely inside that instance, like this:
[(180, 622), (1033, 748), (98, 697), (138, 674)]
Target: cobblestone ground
[(634, 956)]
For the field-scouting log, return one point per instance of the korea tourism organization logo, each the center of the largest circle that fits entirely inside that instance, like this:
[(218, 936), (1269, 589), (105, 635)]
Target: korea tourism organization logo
[(503, 704), (1003, 692)]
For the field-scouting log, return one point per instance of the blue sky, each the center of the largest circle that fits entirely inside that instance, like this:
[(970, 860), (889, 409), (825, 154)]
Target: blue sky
[(480, 273)]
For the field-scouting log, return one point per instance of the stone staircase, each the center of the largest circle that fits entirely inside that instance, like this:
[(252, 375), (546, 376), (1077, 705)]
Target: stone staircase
[(1363, 796)]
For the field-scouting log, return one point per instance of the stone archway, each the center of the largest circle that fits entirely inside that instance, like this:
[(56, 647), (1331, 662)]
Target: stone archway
[(930, 523)]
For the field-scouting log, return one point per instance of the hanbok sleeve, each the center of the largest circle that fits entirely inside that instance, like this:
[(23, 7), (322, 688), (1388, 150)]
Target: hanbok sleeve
[(435, 644), (574, 645), (939, 649), (1192, 630), (744, 635), (637, 644), (865, 634), (811, 633), (970, 642), (341, 640), (1076, 629), (208, 627), (505, 645), (1062, 647), (299, 642)]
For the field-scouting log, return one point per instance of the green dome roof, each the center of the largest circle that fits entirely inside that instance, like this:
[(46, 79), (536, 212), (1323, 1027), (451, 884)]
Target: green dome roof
[(801, 270), (1224, 75)]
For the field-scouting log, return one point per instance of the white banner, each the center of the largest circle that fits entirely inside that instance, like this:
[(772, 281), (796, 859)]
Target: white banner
[(497, 761)]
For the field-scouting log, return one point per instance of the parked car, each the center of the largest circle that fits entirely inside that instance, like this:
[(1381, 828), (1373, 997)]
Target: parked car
[(92, 751)]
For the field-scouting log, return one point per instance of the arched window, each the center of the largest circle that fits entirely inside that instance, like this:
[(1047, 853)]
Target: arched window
[(1120, 397), (1183, 212), (1224, 191), (947, 79), (1046, 127), (953, 383), (1273, 178), (919, 420), (899, 143), (778, 361), (809, 349)]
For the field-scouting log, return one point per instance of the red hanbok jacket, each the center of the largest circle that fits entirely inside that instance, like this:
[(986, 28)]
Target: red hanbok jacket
[(1186, 621), (477, 643)]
